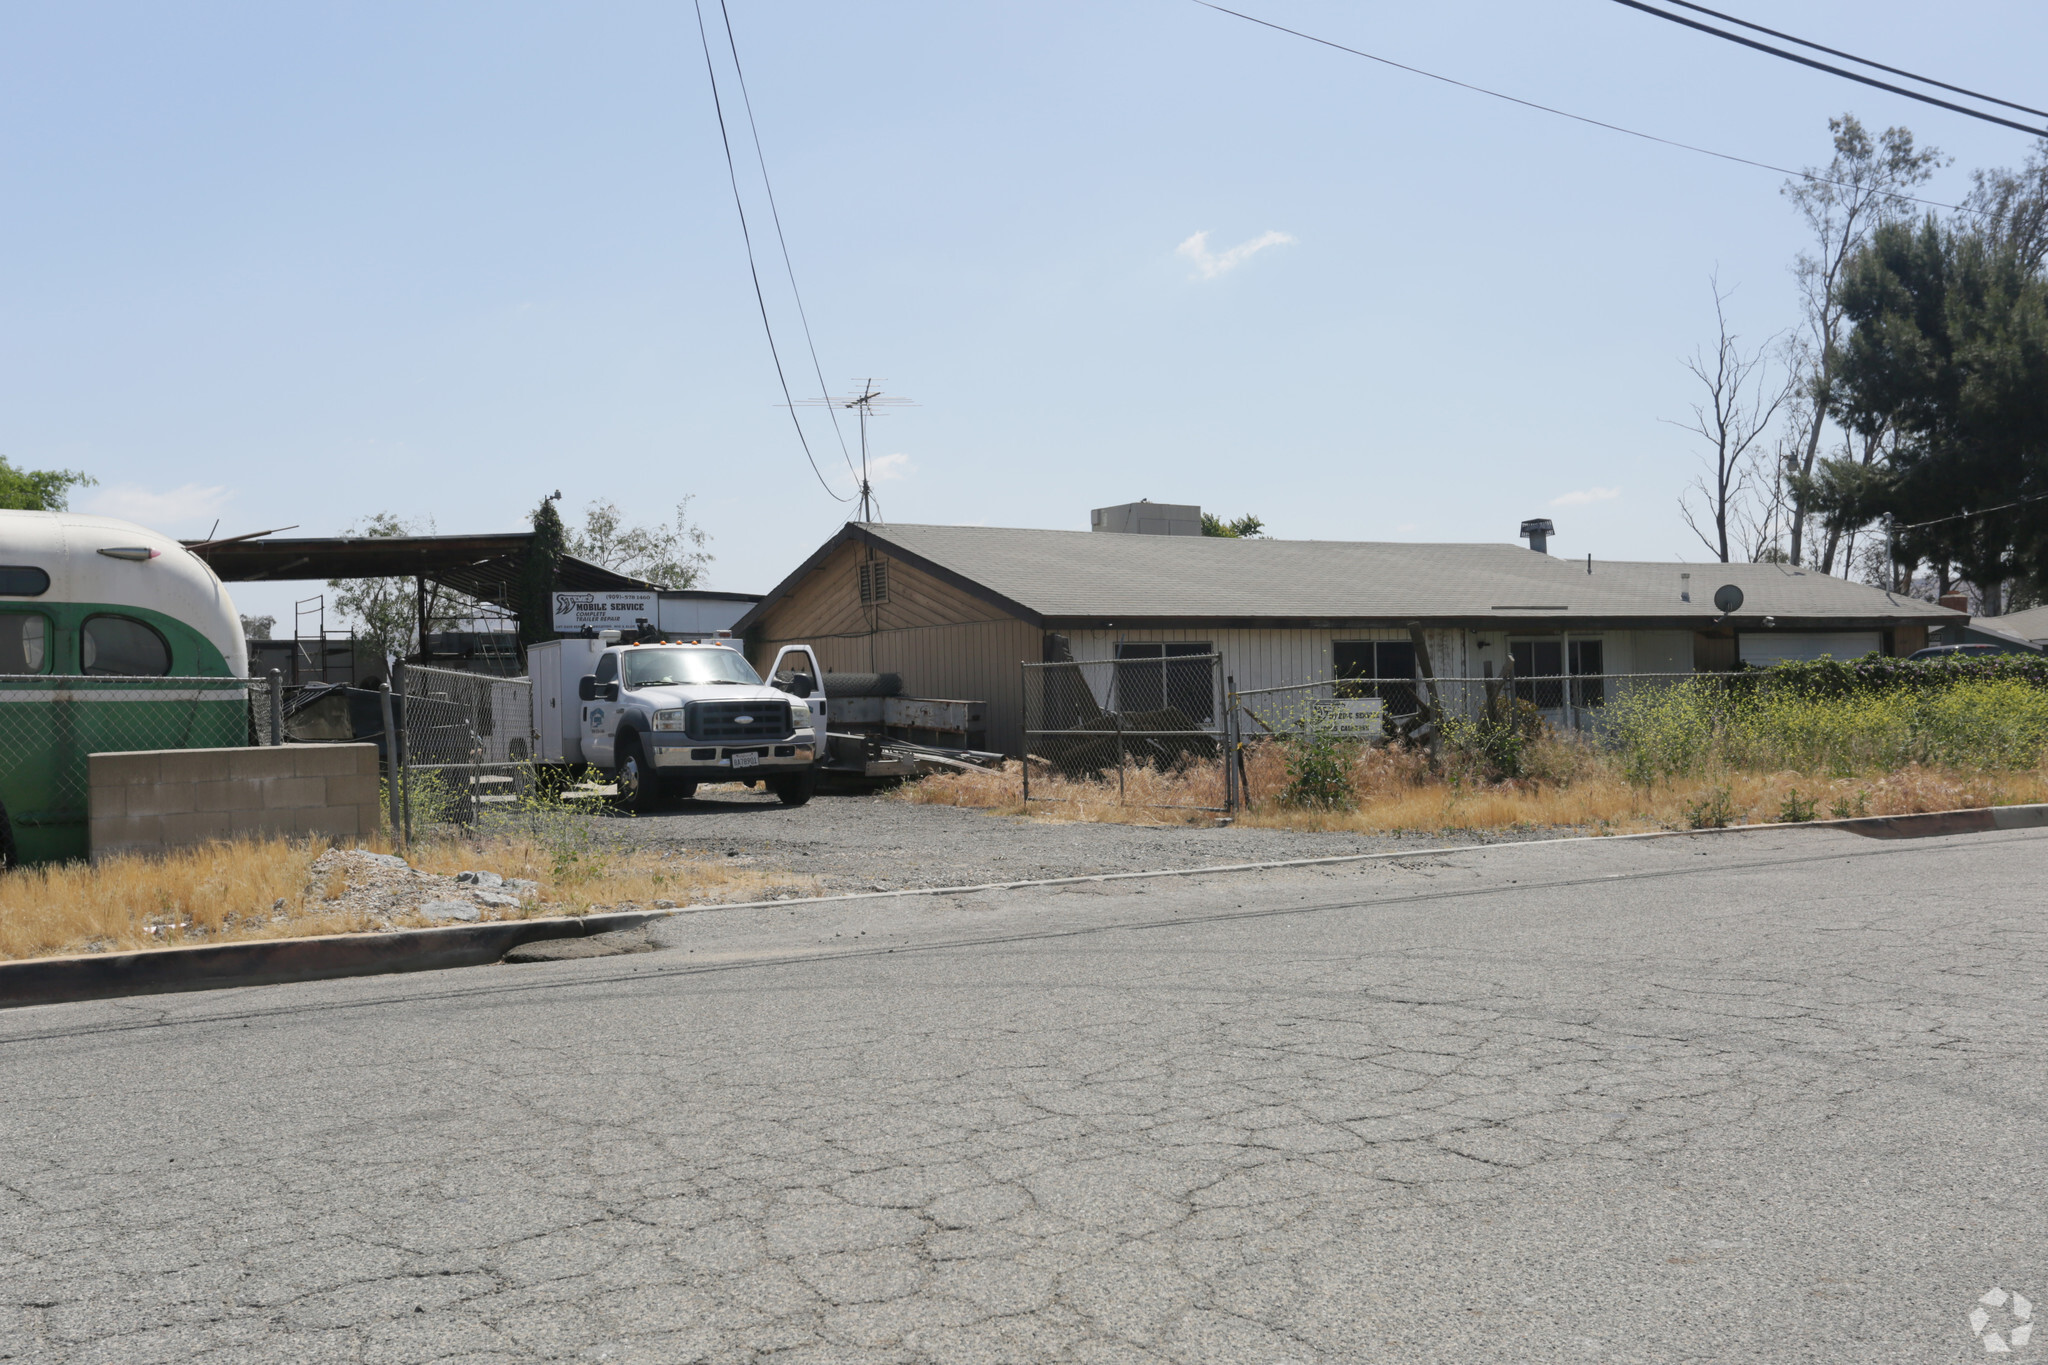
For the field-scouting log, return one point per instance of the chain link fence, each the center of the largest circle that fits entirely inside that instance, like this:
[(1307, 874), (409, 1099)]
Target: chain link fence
[(50, 724), (1149, 731), (465, 744)]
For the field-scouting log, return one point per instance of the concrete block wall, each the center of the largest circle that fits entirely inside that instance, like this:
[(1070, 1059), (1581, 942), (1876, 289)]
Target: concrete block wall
[(154, 799)]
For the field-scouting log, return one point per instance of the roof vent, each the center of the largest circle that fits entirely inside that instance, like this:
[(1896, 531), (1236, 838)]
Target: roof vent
[(1538, 531), (1146, 518)]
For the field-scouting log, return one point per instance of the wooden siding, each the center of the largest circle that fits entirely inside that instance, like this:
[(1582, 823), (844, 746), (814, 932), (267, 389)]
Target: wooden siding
[(827, 603)]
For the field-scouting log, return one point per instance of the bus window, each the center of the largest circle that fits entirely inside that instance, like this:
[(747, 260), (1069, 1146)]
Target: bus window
[(18, 580), (23, 640), (119, 646)]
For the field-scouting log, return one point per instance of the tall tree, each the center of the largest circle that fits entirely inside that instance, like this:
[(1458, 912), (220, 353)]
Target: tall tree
[(671, 556), (38, 490), (538, 573), (1843, 202), (1948, 348), (1744, 392)]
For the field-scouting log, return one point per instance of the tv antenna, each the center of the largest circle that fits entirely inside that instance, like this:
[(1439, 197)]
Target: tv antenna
[(865, 403)]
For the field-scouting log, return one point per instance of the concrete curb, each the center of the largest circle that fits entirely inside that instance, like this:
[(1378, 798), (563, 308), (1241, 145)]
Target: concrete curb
[(271, 962)]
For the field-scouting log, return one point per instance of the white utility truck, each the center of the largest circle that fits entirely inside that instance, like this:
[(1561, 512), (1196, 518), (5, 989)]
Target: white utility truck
[(661, 716)]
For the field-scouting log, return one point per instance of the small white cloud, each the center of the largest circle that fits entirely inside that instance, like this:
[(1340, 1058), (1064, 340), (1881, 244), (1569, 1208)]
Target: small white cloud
[(886, 467), (1210, 264), (177, 509), (1583, 496)]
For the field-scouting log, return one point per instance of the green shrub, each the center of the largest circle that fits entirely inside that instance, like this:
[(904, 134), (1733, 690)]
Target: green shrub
[(1714, 810), (1689, 728), (1796, 809), (1318, 767)]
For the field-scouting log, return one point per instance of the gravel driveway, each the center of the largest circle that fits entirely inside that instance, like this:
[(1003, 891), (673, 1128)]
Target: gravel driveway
[(868, 842)]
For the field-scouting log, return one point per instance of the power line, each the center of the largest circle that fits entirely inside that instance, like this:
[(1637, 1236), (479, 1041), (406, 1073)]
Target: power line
[(1836, 70), (732, 172), (1860, 61), (1980, 512), (1576, 118), (776, 214)]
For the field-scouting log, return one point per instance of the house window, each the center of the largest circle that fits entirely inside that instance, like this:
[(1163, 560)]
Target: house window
[(1377, 668), (1153, 677), (1547, 671), (1589, 661), (874, 582)]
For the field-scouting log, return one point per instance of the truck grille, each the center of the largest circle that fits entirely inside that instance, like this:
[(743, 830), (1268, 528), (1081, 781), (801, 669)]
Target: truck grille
[(741, 720)]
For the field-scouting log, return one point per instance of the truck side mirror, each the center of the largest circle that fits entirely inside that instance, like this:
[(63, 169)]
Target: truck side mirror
[(586, 687), (800, 685)]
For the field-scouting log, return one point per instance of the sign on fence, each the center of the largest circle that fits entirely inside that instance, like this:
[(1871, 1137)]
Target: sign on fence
[(1349, 717), (604, 610)]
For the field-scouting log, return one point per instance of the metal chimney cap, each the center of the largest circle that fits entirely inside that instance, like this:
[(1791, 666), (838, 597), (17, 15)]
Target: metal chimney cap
[(1538, 526)]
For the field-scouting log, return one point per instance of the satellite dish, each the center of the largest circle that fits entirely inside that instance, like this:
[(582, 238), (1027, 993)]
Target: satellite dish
[(1727, 598)]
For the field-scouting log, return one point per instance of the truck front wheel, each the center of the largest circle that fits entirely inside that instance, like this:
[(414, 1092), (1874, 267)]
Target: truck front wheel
[(639, 788)]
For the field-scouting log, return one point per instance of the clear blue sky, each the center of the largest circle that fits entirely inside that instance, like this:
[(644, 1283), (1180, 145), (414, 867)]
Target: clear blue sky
[(305, 263)]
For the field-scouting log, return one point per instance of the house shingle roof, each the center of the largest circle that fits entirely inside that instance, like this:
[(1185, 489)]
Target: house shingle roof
[(1083, 574)]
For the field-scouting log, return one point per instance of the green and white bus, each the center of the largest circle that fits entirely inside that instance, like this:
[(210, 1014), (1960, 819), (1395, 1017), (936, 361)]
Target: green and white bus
[(112, 637)]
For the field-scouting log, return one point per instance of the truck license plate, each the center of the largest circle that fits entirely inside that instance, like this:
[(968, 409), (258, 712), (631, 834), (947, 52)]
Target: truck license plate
[(746, 760)]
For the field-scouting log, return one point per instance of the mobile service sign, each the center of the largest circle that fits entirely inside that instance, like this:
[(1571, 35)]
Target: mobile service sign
[(603, 610)]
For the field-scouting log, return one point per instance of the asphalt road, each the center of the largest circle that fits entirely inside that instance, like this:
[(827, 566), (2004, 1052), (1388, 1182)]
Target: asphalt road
[(1771, 1096)]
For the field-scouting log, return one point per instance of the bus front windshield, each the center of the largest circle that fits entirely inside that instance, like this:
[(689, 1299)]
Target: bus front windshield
[(658, 667)]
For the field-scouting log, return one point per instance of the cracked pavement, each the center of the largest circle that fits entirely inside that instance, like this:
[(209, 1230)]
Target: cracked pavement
[(1770, 1096)]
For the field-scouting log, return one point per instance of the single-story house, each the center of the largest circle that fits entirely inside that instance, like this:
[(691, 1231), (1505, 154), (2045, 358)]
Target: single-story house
[(2012, 631), (956, 610)]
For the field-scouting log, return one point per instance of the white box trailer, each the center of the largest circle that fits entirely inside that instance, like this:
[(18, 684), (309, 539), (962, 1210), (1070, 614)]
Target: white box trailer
[(556, 666)]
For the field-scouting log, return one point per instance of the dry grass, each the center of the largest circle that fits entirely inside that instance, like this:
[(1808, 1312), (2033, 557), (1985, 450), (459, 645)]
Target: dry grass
[(266, 888), (1398, 794)]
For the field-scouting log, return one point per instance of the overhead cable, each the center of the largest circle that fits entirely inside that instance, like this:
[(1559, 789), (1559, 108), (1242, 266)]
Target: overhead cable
[(1860, 61), (776, 214), (1839, 71), (732, 172), (1576, 118), (1980, 512)]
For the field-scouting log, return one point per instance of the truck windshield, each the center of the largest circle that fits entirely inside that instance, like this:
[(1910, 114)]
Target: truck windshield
[(655, 667)]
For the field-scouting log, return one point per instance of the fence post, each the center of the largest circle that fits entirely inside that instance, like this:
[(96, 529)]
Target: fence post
[(276, 708), (1230, 793), (1117, 694), (1025, 747), (400, 751), (392, 773)]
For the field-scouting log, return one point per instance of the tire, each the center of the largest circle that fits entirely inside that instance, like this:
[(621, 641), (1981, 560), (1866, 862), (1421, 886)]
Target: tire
[(793, 791), (639, 787), (7, 857), (681, 791)]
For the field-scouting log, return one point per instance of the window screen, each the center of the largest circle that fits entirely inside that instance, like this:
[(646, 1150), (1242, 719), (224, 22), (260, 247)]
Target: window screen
[(1377, 668), (1589, 659), (1180, 678), (122, 647), (24, 643)]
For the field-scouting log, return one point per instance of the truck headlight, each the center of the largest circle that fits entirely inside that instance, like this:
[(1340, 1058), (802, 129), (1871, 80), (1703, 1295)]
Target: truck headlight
[(799, 715), (668, 720)]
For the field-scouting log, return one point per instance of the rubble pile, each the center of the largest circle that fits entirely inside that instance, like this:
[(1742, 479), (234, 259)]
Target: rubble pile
[(391, 892)]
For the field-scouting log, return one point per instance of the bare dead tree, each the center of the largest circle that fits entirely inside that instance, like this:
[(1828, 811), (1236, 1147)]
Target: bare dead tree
[(1744, 393)]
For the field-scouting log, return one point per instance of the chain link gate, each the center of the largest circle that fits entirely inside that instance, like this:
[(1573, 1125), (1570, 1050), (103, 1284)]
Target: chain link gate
[(1136, 731), (466, 743)]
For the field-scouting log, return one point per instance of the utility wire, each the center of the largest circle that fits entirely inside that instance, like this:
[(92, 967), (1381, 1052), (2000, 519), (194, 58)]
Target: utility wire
[(1836, 70), (732, 172), (1860, 61), (1576, 118), (1980, 512), (776, 214)]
